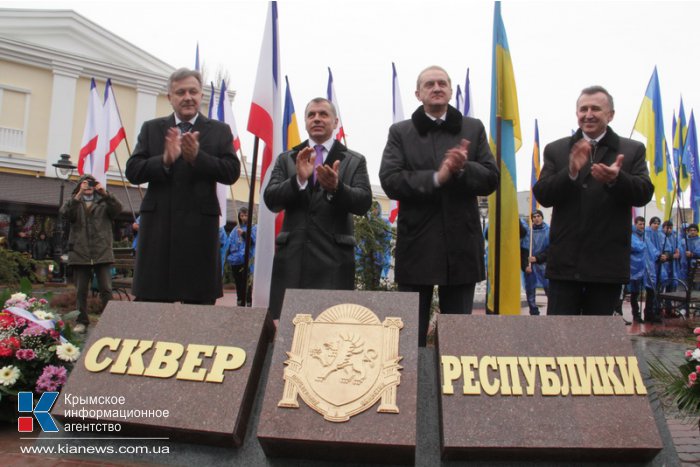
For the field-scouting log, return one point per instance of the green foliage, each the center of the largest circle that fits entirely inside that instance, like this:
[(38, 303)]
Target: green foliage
[(374, 238), (674, 385), (15, 266)]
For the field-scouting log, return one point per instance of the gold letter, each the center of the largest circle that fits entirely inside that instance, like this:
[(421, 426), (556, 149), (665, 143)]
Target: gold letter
[(165, 360), (227, 358), (470, 387), (91, 363), (131, 354), (193, 361), (509, 365), (605, 389), (551, 386), (450, 372), (489, 388), (631, 378), (618, 388), (529, 367), (564, 364)]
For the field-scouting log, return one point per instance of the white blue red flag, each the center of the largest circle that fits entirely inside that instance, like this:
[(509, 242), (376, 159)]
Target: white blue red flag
[(339, 132), (88, 146), (265, 122)]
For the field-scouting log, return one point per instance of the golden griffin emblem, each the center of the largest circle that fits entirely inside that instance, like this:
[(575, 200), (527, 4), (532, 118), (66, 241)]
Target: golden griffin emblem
[(342, 363)]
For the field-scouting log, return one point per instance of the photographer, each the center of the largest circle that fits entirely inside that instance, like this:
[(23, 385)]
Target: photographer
[(236, 256), (90, 211)]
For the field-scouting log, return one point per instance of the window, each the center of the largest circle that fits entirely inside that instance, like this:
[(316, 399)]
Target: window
[(14, 115)]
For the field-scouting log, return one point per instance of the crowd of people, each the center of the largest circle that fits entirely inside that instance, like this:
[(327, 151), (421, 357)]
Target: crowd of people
[(25, 238), (660, 258)]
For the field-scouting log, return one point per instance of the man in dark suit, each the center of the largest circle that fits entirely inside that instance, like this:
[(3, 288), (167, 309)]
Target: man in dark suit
[(591, 179), (319, 185), (435, 165), (181, 157)]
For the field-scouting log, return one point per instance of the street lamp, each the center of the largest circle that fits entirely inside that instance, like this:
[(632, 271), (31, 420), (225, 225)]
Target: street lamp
[(64, 169)]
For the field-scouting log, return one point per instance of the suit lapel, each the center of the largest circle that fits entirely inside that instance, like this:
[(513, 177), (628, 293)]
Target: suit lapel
[(337, 153), (167, 122), (202, 125)]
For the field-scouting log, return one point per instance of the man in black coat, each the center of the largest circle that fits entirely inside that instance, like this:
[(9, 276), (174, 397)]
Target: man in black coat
[(319, 185), (435, 165), (181, 157), (591, 179)]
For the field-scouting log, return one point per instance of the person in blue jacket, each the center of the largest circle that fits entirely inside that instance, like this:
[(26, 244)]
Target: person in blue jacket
[(535, 269), (692, 249), (638, 262), (657, 270), (236, 257)]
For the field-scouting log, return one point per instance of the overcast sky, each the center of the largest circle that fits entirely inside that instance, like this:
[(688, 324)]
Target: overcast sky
[(557, 48)]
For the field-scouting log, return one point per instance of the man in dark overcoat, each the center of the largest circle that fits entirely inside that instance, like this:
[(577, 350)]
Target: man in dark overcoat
[(319, 185), (591, 179), (435, 165), (181, 157)]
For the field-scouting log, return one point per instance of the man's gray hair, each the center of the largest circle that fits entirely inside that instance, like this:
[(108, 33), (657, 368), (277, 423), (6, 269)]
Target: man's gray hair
[(184, 73), (321, 100), (595, 90), (433, 67)]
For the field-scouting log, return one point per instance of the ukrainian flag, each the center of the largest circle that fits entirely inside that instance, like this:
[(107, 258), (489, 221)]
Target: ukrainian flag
[(290, 129), (650, 123), (504, 239), (680, 131)]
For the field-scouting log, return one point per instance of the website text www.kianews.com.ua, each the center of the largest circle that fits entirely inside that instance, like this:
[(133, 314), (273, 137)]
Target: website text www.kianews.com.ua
[(65, 448)]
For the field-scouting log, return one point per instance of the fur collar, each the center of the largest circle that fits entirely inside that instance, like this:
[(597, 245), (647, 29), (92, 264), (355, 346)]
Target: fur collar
[(423, 123)]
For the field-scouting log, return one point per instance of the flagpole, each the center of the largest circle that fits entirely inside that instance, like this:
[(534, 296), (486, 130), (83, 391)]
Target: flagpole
[(249, 223), (497, 233), (529, 222), (245, 169), (126, 188)]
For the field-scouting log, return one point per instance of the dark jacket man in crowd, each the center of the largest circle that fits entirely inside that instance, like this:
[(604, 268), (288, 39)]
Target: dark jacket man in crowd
[(319, 184), (435, 165), (591, 179), (181, 157), (90, 211)]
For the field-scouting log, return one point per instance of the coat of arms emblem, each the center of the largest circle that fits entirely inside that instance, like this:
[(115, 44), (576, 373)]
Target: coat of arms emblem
[(342, 363)]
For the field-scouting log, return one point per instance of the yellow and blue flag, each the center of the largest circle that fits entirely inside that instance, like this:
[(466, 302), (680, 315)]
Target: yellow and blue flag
[(680, 131), (690, 153), (290, 129), (650, 123), (505, 139)]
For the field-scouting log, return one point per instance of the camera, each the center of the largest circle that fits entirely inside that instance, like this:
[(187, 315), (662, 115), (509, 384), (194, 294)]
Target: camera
[(92, 183)]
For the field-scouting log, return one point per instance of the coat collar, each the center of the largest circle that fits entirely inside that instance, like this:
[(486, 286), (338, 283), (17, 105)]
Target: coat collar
[(423, 123), (610, 140), (201, 124)]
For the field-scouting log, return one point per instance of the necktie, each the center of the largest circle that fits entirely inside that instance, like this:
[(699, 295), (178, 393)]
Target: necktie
[(184, 127), (317, 161), (438, 121), (594, 147)]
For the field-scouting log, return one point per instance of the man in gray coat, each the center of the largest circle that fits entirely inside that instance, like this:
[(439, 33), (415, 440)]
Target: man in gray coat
[(319, 185), (435, 165), (90, 211)]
